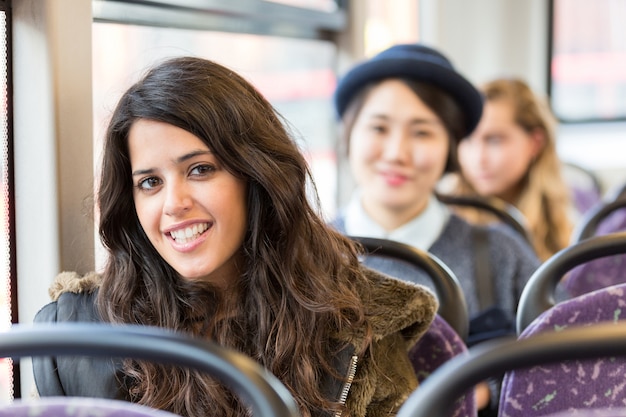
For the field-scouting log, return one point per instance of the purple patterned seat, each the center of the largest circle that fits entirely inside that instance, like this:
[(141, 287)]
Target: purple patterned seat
[(584, 198), (593, 412), (78, 407), (438, 345), (570, 385), (603, 272), (584, 185)]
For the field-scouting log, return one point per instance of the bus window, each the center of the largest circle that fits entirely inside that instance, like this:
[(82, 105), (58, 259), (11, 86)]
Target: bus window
[(296, 75), (588, 62)]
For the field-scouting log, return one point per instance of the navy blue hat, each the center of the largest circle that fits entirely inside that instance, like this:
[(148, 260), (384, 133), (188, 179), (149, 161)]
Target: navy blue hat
[(416, 62)]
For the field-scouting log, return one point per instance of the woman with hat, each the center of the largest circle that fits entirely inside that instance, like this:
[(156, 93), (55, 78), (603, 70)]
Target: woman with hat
[(403, 112)]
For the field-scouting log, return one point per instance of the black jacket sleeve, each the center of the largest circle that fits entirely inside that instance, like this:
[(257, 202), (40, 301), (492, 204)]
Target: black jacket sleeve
[(45, 367), (80, 376)]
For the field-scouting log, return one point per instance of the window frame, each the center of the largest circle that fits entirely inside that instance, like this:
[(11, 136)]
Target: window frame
[(240, 16), (6, 7)]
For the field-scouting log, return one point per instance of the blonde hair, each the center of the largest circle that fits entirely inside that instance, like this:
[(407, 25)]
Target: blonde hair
[(544, 198)]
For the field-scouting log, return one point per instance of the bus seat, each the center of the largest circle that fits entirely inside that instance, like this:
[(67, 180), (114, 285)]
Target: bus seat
[(501, 210), (415, 265), (435, 397), (256, 386), (542, 291), (605, 217), (438, 345), (79, 407), (585, 186), (593, 412), (576, 384), (591, 276)]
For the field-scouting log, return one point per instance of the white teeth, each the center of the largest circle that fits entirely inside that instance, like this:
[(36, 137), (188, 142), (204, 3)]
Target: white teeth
[(189, 233)]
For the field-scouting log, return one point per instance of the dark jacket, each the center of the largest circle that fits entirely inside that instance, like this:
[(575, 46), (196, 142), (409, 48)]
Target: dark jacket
[(400, 313)]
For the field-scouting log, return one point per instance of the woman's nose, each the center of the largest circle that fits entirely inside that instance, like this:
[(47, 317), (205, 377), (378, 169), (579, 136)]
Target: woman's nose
[(396, 147), (177, 200)]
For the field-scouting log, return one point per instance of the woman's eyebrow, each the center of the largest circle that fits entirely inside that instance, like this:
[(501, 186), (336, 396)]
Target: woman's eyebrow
[(178, 160), (192, 154)]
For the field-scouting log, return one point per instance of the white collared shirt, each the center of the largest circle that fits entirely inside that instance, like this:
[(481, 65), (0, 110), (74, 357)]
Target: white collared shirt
[(421, 232)]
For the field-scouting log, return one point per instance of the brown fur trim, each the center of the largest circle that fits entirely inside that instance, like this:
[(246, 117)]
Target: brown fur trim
[(72, 282), (393, 305), (397, 305)]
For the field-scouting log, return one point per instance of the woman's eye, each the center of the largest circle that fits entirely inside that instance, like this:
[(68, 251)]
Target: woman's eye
[(494, 139), (202, 170), (149, 183), (421, 133), (378, 129)]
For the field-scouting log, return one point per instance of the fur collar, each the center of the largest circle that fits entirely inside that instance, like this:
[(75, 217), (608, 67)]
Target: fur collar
[(74, 283), (393, 305)]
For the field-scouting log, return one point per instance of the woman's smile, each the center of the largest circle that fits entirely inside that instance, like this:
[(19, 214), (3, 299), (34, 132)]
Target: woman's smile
[(188, 238)]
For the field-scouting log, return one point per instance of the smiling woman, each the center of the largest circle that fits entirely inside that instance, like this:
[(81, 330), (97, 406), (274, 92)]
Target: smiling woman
[(206, 217), (191, 208)]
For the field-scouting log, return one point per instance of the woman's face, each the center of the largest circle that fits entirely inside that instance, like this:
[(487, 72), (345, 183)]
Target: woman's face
[(398, 151), (191, 208), (496, 157)]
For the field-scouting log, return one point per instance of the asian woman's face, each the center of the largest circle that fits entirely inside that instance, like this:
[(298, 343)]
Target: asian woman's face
[(398, 151), (191, 208)]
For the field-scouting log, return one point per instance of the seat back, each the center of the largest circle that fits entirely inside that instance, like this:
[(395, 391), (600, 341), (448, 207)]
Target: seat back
[(79, 407), (257, 387), (604, 217), (571, 385), (593, 412), (503, 211), (437, 346), (585, 186), (436, 396), (607, 216), (540, 292), (594, 275), (412, 264)]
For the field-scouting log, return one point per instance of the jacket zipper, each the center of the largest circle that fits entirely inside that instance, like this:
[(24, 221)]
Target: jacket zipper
[(346, 386)]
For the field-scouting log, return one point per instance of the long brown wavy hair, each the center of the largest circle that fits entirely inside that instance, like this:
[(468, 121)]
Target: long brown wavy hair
[(544, 198), (297, 289)]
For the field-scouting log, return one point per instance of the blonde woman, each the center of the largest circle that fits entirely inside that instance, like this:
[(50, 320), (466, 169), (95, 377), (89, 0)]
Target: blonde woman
[(512, 155)]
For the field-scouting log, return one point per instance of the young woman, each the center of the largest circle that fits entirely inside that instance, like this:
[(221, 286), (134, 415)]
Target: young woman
[(204, 212), (403, 113), (512, 155)]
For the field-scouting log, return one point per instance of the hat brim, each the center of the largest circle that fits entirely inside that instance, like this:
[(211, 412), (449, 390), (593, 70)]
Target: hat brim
[(460, 89)]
